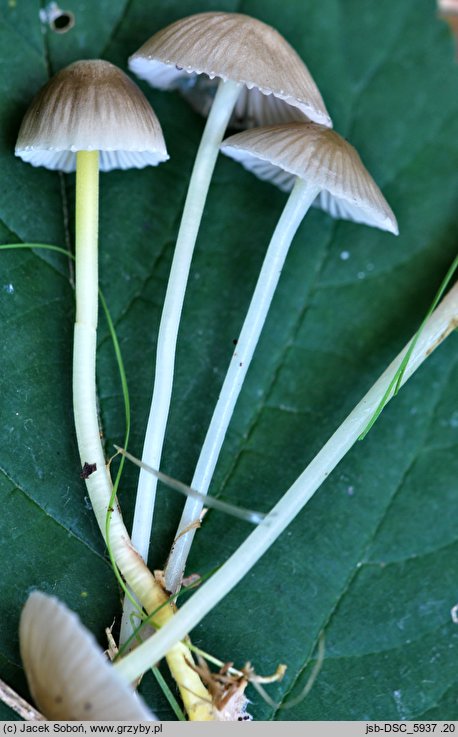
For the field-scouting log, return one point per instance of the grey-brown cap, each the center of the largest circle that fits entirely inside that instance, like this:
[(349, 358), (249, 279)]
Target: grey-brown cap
[(91, 105), (68, 674), (277, 85), (317, 154)]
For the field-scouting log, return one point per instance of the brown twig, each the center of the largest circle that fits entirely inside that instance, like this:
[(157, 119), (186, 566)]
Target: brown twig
[(18, 704)]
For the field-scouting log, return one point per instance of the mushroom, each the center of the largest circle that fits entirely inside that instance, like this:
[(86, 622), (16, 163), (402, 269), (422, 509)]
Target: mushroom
[(91, 112), (196, 53), (68, 675), (91, 106), (311, 159), (253, 73)]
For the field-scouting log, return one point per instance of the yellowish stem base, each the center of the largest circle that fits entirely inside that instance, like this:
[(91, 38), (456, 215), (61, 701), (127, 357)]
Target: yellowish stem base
[(195, 696)]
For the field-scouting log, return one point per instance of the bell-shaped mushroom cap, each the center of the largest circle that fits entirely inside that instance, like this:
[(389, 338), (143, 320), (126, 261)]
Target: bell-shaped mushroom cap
[(91, 105), (277, 85), (68, 675), (317, 154)]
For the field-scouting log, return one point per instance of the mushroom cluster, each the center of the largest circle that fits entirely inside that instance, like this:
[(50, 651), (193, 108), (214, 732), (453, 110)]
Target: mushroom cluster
[(238, 72), (255, 77), (270, 87)]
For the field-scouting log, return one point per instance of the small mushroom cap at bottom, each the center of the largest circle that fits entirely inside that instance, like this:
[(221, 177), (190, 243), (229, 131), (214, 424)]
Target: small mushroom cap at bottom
[(316, 154), (68, 674), (91, 106)]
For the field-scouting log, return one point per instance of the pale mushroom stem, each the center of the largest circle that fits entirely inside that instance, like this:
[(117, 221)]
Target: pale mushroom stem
[(442, 322), (85, 334), (215, 128), (87, 427), (98, 481), (299, 201)]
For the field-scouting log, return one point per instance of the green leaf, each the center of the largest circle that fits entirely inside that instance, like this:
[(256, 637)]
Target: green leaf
[(372, 560)]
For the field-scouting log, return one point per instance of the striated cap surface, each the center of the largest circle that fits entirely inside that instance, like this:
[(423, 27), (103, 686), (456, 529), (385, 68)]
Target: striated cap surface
[(68, 675), (315, 153), (232, 46), (91, 105)]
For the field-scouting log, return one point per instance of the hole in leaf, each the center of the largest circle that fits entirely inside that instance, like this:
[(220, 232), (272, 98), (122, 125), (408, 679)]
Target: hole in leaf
[(59, 21), (63, 22)]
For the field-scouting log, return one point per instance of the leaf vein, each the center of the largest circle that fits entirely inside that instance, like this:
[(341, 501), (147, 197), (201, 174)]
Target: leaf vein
[(367, 544), (56, 521)]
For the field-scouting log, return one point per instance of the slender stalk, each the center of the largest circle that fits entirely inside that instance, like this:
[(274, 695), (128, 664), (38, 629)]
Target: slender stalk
[(299, 201), (443, 321), (204, 165), (84, 383), (98, 482), (249, 515)]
